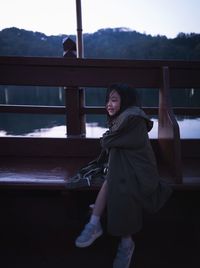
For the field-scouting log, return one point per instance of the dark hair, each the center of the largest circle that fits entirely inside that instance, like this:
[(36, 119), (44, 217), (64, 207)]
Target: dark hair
[(129, 95)]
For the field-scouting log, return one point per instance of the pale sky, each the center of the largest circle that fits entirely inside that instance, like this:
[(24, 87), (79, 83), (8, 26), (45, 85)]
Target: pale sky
[(54, 17)]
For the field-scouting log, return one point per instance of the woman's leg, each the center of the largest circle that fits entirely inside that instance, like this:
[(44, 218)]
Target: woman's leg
[(93, 229), (101, 200), (99, 205)]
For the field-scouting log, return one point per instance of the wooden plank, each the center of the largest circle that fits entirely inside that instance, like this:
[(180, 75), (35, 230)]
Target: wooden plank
[(32, 109), (185, 77), (75, 77), (54, 147), (99, 73), (49, 147), (74, 120), (71, 62), (190, 148), (168, 131)]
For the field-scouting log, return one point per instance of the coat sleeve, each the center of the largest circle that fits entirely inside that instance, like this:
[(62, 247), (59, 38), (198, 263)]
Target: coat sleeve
[(129, 136)]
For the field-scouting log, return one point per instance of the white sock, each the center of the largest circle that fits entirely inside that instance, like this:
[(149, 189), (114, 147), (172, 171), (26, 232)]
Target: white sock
[(95, 219), (126, 241)]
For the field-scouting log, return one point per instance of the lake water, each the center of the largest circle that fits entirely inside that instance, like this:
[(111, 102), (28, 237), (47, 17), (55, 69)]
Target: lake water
[(189, 128)]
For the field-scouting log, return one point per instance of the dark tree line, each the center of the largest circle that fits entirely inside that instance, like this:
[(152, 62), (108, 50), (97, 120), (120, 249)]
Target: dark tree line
[(105, 43)]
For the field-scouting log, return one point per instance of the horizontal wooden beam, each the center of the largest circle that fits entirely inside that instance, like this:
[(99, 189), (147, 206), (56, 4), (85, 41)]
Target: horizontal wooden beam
[(96, 72), (52, 147), (187, 111), (32, 109)]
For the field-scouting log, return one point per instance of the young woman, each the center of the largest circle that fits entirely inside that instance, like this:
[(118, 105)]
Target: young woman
[(132, 183)]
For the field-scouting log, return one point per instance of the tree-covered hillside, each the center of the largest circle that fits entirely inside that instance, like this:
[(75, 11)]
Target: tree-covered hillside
[(105, 43)]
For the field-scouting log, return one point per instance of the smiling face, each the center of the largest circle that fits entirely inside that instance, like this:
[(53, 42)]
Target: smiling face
[(114, 103)]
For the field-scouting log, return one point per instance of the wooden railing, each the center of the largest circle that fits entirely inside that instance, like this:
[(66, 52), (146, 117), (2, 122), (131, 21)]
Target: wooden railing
[(75, 74)]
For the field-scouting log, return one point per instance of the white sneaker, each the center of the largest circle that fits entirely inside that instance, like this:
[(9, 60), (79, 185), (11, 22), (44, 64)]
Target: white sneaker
[(89, 234), (124, 256)]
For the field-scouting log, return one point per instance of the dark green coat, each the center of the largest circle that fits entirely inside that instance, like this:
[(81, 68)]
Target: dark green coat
[(133, 181)]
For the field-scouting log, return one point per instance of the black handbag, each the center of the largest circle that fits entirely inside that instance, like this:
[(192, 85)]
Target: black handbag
[(91, 175)]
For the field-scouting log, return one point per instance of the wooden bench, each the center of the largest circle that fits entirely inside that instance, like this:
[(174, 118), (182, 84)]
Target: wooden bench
[(47, 169), (47, 162), (48, 165), (45, 165)]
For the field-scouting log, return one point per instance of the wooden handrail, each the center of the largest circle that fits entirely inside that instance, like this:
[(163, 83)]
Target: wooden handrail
[(32, 109), (92, 72), (38, 109)]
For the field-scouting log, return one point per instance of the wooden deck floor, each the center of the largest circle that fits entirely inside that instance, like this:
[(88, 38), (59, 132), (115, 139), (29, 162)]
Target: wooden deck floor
[(38, 228)]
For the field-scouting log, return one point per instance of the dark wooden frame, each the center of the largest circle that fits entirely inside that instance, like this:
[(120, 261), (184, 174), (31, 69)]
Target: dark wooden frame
[(74, 75)]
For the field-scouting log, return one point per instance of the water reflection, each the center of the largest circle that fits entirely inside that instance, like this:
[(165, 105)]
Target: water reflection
[(189, 128)]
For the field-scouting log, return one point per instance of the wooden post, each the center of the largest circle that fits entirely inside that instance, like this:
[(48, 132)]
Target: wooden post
[(75, 121), (168, 130), (80, 52)]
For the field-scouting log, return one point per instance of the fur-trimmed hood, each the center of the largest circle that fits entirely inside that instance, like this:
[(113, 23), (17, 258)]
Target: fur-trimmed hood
[(123, 118)]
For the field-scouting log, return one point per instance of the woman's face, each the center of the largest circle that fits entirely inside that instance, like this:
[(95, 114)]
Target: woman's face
[(114, 103)]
